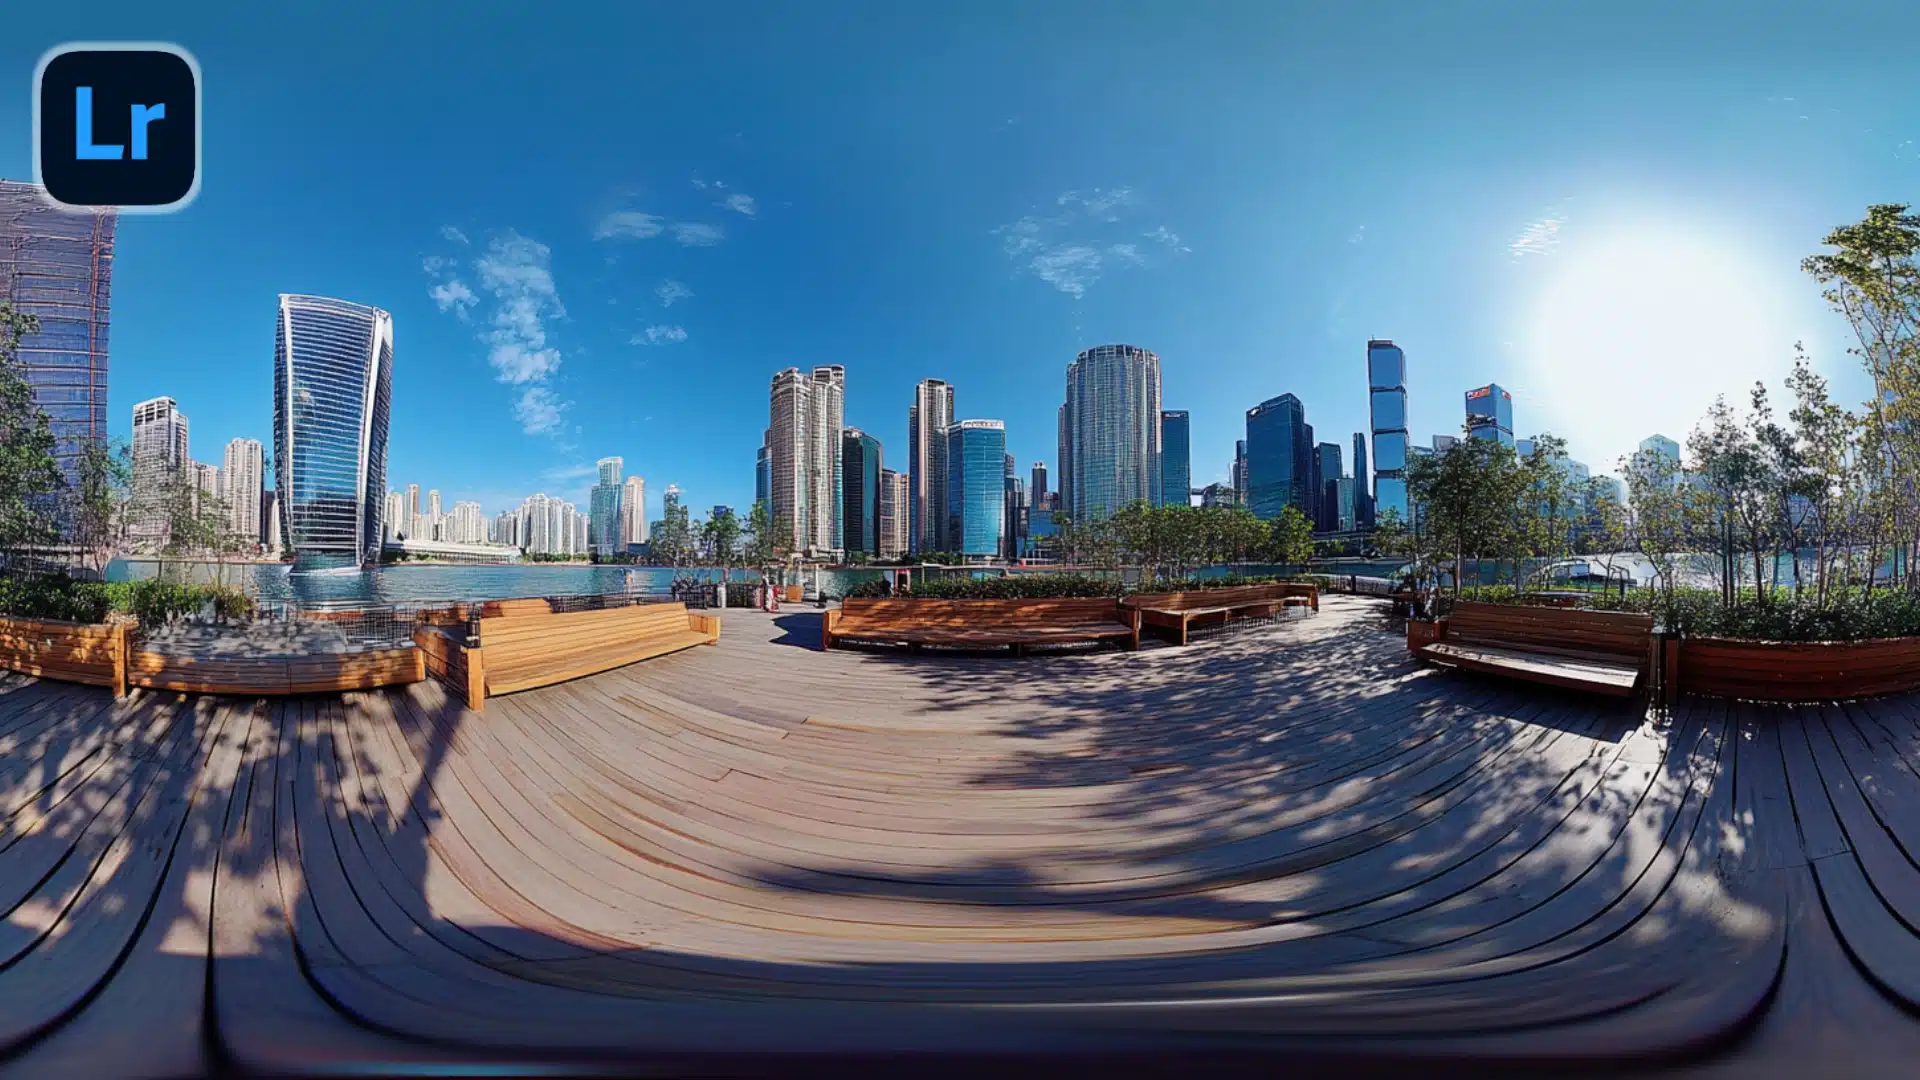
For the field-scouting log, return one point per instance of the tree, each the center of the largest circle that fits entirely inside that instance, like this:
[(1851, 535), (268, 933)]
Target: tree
[(95, 504), (1289, 537), (30, 475), (722, 534)]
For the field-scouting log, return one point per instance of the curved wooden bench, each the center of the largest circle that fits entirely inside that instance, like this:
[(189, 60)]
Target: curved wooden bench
[(980, 623), (1177, 611), (522, 651), (1606, 652)]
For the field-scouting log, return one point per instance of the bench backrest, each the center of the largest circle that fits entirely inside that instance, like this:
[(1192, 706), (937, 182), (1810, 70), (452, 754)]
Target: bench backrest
[(572, 631), (505, 608), (1616, 633), (1224, 597), (875, 613)]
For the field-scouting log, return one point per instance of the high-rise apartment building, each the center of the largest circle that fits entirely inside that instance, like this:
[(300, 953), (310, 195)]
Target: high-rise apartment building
[(976, 487), (1279, 458), (860, 491), (1176, 459), (393, 521), (241, 481), (1387, 416), (604, 522), (805, 471), (1489, 415), (1362, 484), (1113, 429), (206, 487), (332, 392), (57, 265), (160, 461), (633, 511), (466, 524), (927, 421), (826, 468), (893, 513)]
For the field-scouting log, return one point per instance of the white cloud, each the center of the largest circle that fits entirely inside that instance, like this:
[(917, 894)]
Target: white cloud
[(437, 264), (454, 296), (1359, 236), (628, 224), (1071, 248), (741, 204), (538, 410), (453, 233), (560, 474), (699, 183), (670, 291), (660, 335), (1070, 268), (693, 234), (1539, 237)]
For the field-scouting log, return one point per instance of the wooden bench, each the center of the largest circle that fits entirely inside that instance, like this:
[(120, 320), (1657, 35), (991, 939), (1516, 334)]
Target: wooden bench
[(1607, 652), (980, 623), (91, 653), (317, 674), (522, 648), (1178, 611)]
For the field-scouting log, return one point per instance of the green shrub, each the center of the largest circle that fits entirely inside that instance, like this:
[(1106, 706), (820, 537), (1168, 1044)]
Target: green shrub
[(53, 596), (1850, 614), (155, 602), (1228, 581), (1011, 587), (871, 589)]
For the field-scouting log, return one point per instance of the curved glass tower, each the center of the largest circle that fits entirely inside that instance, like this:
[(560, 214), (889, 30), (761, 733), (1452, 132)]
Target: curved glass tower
[(1112, 422), (332, 385), (976, 487)]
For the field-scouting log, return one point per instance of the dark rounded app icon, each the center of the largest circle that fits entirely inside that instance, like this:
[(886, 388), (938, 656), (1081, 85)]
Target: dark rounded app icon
[(119, 127)]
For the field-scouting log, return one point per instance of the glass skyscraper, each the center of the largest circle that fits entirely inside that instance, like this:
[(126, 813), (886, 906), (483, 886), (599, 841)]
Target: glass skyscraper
[(1279, 458), (860, 458), (1490, 414), (604, 520), (57, 265), (927, 421), (1327, 472), (976, 487), (1362, 502), (1176, 458), (1387, 413), (332, 390), (1113, 430)]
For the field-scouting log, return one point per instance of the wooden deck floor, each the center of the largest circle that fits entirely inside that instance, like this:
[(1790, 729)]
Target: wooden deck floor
[(1287, 840)]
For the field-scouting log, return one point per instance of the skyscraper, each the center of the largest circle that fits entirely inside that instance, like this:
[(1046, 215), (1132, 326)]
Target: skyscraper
[(57, 265), (893, 514), (241, 480), (160, 460), (1113, 429), (976, 487), (927, 421), (411, 523), (332, 390), (1063, 500), (392, 521), (789, 452), (825, 469), (1489, 415), (1387, 415), (1013, 516), (1037, 487), (1326, 457), (1239, 476), (1279, 458), (604, 523), (1176, 458), (633, 511), (763, 477), (860, 458), (1362, 501)]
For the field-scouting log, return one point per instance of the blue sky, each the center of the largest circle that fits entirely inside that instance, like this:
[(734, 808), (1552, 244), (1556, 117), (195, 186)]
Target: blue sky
[(640, 212)]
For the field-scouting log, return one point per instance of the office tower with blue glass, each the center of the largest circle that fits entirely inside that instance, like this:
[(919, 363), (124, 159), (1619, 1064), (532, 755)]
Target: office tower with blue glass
[(927, 421), (56, 264), (1387, 416), (1490, 415), (1328, 470), (763, 476), (860, 462), (1279, 458), (1113, 430), (332, 393), (603, 522), (1176, 458), (976, 488), (1362, 502)]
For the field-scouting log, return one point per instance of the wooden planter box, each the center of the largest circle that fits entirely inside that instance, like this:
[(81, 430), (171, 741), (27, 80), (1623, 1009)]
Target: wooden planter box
[(1797, 671), (93, 654), (1422, 633)]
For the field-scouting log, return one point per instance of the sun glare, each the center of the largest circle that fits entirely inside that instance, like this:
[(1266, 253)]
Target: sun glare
[(1633, 333)]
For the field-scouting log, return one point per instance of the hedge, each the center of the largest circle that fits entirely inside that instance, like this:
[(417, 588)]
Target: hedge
[(151, 601)]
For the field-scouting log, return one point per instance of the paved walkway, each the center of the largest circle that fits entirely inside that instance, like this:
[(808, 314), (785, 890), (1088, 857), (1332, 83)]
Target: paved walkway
[(1290, 839)]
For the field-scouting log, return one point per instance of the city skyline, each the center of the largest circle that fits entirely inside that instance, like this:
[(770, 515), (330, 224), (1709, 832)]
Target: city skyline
[(1579, 230)]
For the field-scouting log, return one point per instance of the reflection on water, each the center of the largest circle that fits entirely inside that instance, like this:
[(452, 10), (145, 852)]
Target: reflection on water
[(411, 584)]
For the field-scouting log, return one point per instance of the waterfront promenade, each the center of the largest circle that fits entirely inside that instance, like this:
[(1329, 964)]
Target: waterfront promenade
[(1286, 838)]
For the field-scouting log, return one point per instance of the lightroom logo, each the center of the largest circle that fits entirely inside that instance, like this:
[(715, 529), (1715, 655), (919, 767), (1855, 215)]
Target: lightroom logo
[(117, 124)]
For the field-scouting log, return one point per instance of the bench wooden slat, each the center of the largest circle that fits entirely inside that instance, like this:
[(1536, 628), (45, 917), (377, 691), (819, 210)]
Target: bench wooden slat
[(1015, 623), (1617, 679)]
